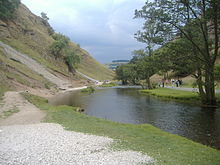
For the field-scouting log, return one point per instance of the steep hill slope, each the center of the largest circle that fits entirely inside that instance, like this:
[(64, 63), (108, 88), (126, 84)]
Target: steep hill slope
[(29, 34)]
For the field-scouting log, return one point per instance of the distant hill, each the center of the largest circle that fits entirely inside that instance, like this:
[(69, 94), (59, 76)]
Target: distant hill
[(29, 34)]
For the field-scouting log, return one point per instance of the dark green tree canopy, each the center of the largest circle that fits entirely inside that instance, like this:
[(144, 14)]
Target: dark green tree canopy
[(44, 16), (196, 22)]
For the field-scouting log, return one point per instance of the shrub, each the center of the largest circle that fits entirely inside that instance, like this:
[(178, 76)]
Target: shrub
[(71, 59), (7, 8)]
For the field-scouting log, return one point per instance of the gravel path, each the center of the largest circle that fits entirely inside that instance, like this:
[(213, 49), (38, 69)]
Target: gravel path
[(46, 144), (28, 113)]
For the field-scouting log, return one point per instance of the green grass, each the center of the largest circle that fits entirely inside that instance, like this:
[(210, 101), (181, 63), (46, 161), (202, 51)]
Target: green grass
[(9, 112), (165, 148), (172, 93), (179, 95), (3, 89), (88, 90), (15, 70), (108, 85), (23, 48), (92, 68)]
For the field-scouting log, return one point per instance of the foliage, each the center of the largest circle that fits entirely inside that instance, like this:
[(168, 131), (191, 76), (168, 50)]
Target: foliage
[(161, 146), (111, 84), (172, 93), (59, 36), (141, 67), (44, 16), (60, 49), (127, 74), (56, 48), (191, 20), (217, 72), (71, 59), (7, 8), (9, 112), (89, 89)]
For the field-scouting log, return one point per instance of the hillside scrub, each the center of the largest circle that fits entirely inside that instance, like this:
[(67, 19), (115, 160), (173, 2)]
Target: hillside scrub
[(88, 90), (60, 48), (7, 8), (165, 148)]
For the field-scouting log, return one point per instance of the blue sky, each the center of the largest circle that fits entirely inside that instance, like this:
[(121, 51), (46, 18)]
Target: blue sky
[(105, 28)]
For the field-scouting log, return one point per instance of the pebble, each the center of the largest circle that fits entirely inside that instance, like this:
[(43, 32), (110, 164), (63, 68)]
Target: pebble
[(50, 144)]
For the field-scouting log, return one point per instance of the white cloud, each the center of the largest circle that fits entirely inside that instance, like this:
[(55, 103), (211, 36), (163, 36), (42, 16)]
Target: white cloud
[(95, 24)]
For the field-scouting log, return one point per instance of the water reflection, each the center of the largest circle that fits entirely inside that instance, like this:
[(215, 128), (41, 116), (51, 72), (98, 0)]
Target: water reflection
[(127, 106)]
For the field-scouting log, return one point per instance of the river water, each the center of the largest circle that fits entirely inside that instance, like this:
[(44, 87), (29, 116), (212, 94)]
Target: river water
[(126, 105)]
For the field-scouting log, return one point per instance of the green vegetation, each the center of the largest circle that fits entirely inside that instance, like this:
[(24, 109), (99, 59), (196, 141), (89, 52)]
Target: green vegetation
[(111, 84), (37, 40), (71, 59), (60, 48), (3, 88), (7, 8), (165, 148), (14, 70), (98, 71), (189, 43), (192, 97), (9, 112), (172, 93), (49, 63), (88, 90)]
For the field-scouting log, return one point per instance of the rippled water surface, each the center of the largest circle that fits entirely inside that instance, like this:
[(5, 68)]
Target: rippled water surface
[(128, 106)]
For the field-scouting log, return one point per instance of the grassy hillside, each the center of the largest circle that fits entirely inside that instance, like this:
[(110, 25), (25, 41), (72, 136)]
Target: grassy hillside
[(89, 66), (28, 34)]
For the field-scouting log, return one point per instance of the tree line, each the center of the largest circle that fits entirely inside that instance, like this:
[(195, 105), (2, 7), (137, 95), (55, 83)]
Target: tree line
[(186, 33)]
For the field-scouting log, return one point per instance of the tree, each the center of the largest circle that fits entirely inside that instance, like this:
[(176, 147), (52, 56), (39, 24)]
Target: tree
[(58, 46), (44, 16), (145, 65), (71, 59), (7, 8), (173, 18)]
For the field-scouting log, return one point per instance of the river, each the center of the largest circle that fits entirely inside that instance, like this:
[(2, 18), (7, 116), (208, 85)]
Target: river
[(126, 105)]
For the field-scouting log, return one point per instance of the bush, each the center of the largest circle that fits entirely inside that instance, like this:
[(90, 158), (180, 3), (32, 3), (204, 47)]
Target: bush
[(7, 8), (60, 43), (88, 90), (56, 48), (71, 59)]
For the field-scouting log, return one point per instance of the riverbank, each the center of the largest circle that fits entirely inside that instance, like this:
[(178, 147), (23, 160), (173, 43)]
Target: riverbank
[(163, 147), (178, 95)]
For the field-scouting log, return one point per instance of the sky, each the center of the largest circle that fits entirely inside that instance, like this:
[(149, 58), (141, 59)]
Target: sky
[(105, 28)]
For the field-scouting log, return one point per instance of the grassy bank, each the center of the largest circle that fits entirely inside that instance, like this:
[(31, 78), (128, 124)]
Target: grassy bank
[(88, 90), (172, 93), (179, 95), (165, 148), (105, 85)]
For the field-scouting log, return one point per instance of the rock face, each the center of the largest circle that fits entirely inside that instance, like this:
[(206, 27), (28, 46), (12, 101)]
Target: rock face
[(34, 66), (4, 33)]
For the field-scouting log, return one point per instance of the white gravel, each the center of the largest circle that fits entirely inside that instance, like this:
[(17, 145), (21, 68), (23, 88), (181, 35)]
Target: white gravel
[(47, 144)]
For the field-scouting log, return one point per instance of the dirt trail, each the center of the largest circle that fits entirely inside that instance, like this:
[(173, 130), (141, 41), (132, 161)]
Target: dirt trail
[(28, 113), (35, 66)]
